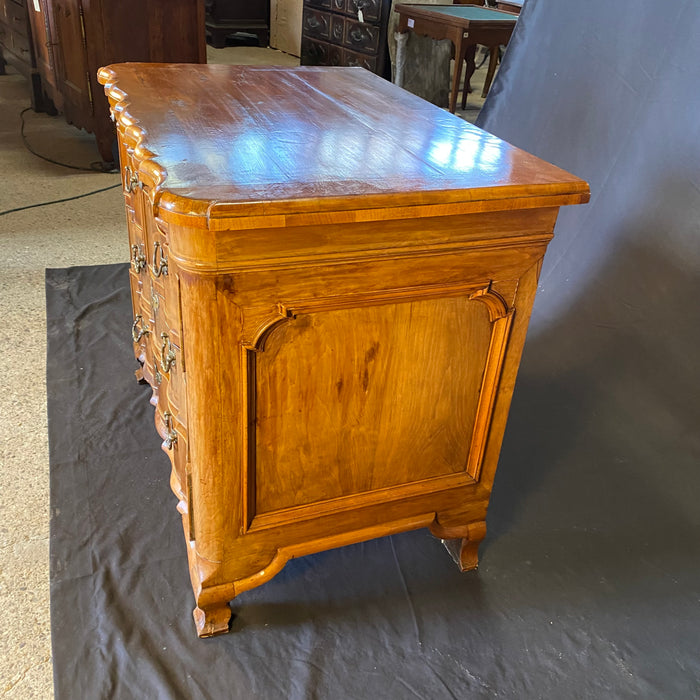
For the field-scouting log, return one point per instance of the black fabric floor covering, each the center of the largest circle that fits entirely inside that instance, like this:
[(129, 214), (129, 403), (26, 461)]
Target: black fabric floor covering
[(589, 584)]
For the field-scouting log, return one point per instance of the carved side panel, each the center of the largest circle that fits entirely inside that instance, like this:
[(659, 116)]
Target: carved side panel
[(352, 403)]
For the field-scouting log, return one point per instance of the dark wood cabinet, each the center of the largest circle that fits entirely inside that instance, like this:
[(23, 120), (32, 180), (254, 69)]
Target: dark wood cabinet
[(346, 33), (16, 48), (74, 38), (224, 17)]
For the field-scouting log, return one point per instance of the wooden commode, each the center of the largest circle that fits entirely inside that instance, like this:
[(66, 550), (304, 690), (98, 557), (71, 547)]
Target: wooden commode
[(331, 282)]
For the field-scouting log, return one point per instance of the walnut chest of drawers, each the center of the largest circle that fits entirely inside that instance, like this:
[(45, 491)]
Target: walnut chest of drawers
[(329, 303)]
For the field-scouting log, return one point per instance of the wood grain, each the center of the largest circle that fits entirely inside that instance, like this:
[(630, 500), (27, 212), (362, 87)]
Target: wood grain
[(362, 378), (332, 346), (311, 140)]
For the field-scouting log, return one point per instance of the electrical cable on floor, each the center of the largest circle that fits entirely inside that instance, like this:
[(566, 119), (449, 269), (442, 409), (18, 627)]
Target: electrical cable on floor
[(91, 169), (95, 167), (58, 201)]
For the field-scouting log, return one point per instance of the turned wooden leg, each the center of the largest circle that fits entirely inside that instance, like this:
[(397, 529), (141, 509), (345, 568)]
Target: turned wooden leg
[(470, 67), (457, 72), (218, 37), (212, 619), (493, 61), (263, 38), (465, 550)]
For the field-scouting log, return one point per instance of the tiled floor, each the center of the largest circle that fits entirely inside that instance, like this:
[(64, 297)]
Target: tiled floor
[(80, 232)]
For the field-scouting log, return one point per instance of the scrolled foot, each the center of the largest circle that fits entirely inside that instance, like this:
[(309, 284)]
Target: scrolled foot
[(212, 619), (465, 550)]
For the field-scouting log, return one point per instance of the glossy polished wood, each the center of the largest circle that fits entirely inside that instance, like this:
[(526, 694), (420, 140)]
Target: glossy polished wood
[(331, 281), (465, 26)]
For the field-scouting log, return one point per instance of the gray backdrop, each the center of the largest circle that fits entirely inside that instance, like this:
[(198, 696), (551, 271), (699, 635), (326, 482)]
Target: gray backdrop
[(610, 381)]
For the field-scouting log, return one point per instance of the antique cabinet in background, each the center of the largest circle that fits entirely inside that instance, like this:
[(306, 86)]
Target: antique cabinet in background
[(16, 48), (74, 38), (346, 33), (224, 17)]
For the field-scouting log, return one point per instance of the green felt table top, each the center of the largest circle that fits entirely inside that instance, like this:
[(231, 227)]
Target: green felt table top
[(470, 12)]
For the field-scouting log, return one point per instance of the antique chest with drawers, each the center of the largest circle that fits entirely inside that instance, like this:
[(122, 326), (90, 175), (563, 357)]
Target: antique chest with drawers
[(346, 33), (16, 47), (329, 303)]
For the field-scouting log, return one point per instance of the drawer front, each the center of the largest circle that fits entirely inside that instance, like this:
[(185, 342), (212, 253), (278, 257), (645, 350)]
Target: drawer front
[(336, 55), (142, 327), (337, 29), (360, 36), (314, 53), (317, 24), (175, 441), (363, 60), (157, 330), (168, 374), (166, 339), (371, 9), (166, 284), (131, 187), (138, 277), (319, 4), (173, 432), (137, 242), (164, 359), (178, 454), (158, 255)]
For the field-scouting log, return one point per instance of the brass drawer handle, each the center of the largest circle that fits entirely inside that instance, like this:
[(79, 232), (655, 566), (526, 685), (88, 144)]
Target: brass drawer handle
[(159, 267), (170, 432), (136, 332), (138, 258), (131, 180), (357, 36), (167, 353)]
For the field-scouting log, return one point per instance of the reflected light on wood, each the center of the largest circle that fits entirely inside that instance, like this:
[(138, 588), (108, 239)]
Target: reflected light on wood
[(346, 278)]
